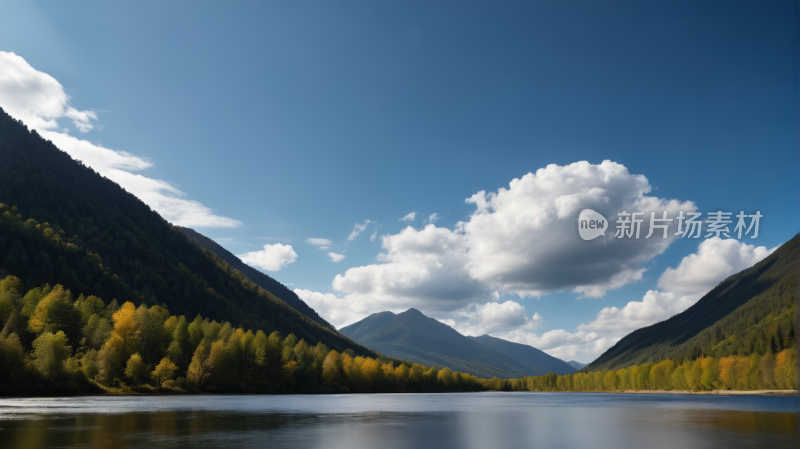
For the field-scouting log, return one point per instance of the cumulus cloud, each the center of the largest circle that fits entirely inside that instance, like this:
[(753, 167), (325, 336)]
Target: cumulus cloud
[(492, 317), (39, 101), (358, 229), (271, 258), (336, 310), (409, 217), (419, 268), (336, 257), (433, 217), (523, 239), (715, 260), (564, 344)]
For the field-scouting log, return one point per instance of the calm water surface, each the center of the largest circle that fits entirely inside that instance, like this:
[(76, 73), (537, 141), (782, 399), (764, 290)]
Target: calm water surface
[(468, 420)]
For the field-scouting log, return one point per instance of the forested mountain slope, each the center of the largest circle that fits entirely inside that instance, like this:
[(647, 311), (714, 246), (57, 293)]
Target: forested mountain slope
[(263, 280), (71, 226), (750, 312), (526, 354), (415, 337)]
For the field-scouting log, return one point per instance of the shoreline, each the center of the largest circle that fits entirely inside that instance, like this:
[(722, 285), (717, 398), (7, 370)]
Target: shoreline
[(717, 392), (200, 393)]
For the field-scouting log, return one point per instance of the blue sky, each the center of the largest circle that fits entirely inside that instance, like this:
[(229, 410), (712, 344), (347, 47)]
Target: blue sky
[(301, 119)]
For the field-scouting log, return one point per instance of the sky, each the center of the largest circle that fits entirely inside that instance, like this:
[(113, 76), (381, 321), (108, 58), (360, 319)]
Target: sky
[(385, 155)]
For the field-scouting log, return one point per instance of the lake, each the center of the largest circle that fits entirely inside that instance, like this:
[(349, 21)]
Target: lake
[(385, 421)]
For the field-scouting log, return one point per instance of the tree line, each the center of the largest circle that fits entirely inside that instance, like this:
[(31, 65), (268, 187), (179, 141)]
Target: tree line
[(771, 371), (54, 341)]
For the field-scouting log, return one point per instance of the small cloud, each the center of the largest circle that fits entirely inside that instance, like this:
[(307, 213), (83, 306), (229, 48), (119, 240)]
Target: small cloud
[(373, 236), (319, 242), (409, 217), (271, 258), (432, 219), (224, 239), (324, 247), (336, 257), (358, 229)]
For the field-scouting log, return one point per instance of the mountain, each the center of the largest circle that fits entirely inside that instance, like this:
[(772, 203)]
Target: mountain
[(750, 312), (66, 224), (415, 337), (526, 354), (575, 364), (263, 280)]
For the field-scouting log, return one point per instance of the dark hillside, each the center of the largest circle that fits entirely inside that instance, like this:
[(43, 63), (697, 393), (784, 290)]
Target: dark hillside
[(749, 312), (124, 249), (263, 280)]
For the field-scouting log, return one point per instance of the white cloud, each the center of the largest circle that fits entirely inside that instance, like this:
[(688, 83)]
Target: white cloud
[(433, 217), (565, 345), (373, 236), (271, 258), (492, 317), (715, 260), (655, 306), (419, 268), (358, 229), (409, 216), (322, 243), (337, 311), (39, 101), (35, 97), (336, 257), (523, 239)]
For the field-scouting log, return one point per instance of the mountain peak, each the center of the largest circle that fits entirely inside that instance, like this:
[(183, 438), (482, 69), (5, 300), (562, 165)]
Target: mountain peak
[(412, 336), (413, 311)]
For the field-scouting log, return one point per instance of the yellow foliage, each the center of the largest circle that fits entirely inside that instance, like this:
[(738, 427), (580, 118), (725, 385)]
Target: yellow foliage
[(125, 321)]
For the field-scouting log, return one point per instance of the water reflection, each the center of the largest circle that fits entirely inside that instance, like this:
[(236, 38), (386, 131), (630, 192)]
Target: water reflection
[(195, 423)]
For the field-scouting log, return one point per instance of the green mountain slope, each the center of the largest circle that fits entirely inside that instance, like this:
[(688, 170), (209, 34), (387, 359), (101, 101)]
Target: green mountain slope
[(751, 311), (266, 282), (415, 337), (526, 354), (114, 246)]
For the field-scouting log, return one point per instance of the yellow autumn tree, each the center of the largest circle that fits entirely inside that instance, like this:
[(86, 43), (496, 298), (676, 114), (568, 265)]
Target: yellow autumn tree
[(135, 368), (164, 371), (332, 369), (125, 324)]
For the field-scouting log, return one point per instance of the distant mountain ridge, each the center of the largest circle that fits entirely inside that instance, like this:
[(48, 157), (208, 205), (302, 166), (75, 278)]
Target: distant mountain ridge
[(526, 354), (417, 338), (265, 281), (576, 364), (752, 311)]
